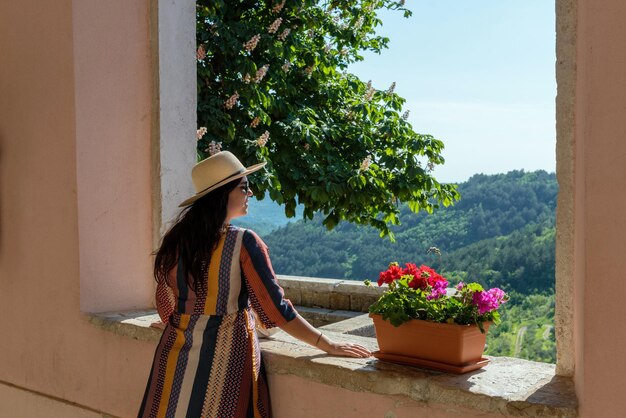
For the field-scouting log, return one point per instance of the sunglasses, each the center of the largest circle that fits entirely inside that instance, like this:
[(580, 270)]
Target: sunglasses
[(245, 188)]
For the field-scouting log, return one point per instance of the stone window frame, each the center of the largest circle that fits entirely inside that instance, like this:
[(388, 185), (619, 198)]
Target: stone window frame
[(174, 117)]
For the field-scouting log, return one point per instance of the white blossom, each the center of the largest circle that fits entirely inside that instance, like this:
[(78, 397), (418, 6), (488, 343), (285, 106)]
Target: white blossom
[(214, 147), (405, 115), (200, 133), (391, 88), (260, 73), (262, 140), (278, 7), (275, 25), (365, 164), (369, 92), (285, 67), (284, 34), (232, 101), (252, 43), (200, 53)]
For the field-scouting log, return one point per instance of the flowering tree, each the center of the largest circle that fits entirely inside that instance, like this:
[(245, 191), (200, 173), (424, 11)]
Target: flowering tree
[(273, 86)]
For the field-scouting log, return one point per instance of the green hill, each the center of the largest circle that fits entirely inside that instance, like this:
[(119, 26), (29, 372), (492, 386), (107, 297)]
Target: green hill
[(500, 233), (265, 216)]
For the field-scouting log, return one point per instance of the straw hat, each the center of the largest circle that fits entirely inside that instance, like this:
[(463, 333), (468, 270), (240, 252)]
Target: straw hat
[(215, 171)]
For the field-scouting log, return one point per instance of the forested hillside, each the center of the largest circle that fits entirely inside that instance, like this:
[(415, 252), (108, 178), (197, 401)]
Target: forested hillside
[(501, 233)]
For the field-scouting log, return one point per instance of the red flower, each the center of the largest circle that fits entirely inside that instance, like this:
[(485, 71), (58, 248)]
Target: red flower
[(394, 272), (423, 276)]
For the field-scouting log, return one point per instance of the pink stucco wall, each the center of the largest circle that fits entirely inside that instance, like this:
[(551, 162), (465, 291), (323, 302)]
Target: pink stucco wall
[(75, 210), (112, 79), (297, 397), (601, 130)]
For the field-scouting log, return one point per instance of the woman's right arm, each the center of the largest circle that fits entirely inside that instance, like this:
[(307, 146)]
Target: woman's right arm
[(165, 300)]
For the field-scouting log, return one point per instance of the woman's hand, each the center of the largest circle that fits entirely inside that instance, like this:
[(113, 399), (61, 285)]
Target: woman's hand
[(158, 325), (302, 330), (342, 349)]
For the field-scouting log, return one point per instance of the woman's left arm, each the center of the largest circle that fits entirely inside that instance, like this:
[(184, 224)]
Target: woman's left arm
[(267, 299), (299, 328)]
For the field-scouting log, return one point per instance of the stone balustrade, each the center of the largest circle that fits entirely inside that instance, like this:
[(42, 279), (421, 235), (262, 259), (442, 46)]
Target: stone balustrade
[(505, 387)]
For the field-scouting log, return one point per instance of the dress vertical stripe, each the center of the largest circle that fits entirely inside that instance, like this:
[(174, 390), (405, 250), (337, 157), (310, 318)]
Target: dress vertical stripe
[(192, 365), (210, 307), (201, 379), (171, 365), (181, 367), (223, 350), (224, 274), (235, 276)]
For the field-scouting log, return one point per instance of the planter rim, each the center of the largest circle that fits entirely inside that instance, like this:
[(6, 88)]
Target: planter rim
[(431, 323)]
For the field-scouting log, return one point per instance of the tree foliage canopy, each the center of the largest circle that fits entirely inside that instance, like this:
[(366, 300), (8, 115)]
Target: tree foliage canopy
[(273, 86)]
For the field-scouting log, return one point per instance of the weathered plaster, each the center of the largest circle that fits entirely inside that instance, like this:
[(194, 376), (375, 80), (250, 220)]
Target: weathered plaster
[(566, 25), (176, 151)]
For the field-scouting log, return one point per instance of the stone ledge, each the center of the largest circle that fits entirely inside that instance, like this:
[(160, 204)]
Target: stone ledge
[(320, 317), (507, 386), (349, 295), (133, 324)]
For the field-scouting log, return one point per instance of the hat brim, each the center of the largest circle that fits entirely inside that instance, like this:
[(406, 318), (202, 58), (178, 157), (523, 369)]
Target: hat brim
[(197, 196)]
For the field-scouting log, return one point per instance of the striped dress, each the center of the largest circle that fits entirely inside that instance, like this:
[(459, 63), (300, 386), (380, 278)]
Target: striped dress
[(208, 362)]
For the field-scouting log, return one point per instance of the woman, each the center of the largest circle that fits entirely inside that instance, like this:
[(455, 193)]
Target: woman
[(212, 278)]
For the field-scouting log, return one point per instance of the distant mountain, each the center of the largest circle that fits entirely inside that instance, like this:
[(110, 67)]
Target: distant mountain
[(265, 216), (500, 233)]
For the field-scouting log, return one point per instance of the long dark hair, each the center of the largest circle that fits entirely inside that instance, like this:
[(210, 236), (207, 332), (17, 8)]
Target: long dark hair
[(193, 237)]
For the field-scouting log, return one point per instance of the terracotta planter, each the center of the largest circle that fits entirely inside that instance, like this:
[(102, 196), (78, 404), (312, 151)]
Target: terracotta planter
[(432, 344)]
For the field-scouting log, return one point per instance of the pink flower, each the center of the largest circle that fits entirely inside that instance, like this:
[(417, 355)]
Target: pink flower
[(489, 300), (439, 289), (460, 286)]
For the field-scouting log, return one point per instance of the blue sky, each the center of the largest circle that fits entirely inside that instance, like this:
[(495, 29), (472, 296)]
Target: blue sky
[(477, 74)]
